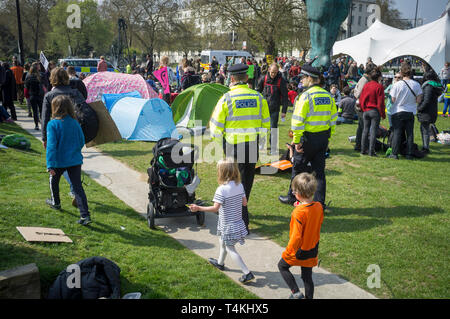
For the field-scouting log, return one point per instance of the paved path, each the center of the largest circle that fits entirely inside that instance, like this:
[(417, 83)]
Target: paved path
[(260, 254)]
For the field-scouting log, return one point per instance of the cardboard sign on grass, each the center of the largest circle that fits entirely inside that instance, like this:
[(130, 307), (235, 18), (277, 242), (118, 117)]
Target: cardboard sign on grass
[(107, 129), (41, 234)]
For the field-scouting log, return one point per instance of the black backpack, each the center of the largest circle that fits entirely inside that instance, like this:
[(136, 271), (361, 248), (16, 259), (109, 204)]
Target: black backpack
[(88, 120)]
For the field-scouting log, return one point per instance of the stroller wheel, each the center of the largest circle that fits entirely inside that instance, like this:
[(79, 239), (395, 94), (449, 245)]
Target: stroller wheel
[(151, 215), (200, 217)]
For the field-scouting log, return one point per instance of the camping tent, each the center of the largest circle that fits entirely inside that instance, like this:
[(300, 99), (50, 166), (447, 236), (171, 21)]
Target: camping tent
[(430, 42), (142, 119), (110, 82), (197, 103), (110, 99)]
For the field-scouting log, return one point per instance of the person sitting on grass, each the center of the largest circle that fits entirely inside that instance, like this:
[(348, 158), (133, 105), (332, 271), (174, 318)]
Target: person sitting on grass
[(228, 200), (304, 235), (65, 139), (346, 108)]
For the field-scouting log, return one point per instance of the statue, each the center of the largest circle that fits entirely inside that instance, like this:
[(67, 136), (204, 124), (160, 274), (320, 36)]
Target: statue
[(325, 18)]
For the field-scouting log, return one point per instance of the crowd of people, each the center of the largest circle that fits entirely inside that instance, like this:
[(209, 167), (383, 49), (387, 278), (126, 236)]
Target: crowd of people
[(341, 94)]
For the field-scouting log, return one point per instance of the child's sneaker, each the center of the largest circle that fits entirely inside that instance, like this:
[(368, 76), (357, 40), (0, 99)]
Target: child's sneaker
[(49, 202), (84, 221), (246, 278), (214, 262), (297, 295)]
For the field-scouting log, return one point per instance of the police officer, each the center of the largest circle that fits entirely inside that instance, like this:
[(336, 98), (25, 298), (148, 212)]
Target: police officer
[(240, 117), (313, 123)]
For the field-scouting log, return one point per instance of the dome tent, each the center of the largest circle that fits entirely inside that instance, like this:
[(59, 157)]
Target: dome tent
[(197, 103), (142, 119), (100, 83), (109, 99)]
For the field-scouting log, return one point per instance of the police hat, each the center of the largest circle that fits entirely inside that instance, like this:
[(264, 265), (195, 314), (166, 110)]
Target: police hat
[(238, 69), (310, 71)]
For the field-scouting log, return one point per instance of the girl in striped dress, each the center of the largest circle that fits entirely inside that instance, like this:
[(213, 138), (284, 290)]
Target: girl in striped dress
[(228, 200)]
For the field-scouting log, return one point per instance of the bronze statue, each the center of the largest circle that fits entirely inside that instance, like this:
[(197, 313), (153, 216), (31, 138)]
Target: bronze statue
[(324, 17)]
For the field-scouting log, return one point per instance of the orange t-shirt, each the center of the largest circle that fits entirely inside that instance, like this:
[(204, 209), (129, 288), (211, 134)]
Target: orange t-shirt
[(18, 73), (304, 235)]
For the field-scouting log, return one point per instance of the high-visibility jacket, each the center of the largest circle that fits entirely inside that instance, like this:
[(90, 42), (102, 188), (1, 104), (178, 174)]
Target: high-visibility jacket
[(447, 92), (315, 111), (240, 116)]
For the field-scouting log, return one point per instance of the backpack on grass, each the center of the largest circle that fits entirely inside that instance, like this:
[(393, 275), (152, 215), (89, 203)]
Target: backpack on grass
[(16, 141)]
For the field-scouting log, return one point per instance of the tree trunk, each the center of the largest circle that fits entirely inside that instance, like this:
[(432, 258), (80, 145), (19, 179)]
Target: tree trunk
[(36, 36), (271, 47)]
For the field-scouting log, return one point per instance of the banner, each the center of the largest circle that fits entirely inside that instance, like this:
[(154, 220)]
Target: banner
[(163, 77), (269, 59), (43, 60)]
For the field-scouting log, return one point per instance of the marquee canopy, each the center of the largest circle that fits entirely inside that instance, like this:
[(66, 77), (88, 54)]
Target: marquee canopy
[(430, 42)]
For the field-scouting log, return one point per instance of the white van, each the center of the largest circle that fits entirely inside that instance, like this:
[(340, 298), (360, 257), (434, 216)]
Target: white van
[(222, 56)]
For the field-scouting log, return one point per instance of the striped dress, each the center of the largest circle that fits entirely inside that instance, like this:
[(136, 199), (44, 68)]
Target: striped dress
[(230, 225)]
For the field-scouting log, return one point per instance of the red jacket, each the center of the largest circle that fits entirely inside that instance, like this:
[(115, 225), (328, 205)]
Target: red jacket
[(372, 97)]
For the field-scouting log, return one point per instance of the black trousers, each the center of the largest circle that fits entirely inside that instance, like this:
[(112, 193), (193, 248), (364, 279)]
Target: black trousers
[(425, 131), (403, 122), (75, 177), (36, 105), (246, 155), (283, 267), (315, 146), (369, 135), (359, 131)]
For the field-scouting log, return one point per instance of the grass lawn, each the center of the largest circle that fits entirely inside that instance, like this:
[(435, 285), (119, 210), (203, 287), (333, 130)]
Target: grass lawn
[(151, 262), (394, 214)]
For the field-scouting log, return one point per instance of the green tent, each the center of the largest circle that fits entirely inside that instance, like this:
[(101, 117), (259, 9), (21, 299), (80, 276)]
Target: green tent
[(197, 104)]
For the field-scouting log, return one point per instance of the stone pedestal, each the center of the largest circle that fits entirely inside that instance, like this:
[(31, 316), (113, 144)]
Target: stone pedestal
[(22, 282)]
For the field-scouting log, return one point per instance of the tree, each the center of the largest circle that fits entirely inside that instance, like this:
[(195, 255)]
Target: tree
[(94, 33), (35, 24), (390, 15), (266, 22), (148, 20), (184, 37)]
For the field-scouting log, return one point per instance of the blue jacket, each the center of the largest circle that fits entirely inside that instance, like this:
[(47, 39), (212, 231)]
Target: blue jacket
[(65, 140)]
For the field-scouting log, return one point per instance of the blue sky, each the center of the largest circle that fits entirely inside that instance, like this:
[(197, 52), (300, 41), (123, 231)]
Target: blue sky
[(429, 10)]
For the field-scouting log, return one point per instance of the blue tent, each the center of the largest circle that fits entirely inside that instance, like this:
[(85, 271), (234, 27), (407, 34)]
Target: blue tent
[(109, 99), (143, 120)]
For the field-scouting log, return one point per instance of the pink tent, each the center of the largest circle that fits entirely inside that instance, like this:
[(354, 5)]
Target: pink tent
[(100, 83)]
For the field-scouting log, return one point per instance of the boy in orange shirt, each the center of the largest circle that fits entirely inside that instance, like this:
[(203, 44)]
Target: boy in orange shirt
[(304, 236)]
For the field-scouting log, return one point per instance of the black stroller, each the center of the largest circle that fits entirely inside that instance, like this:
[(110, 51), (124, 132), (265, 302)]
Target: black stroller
[(172, 181)]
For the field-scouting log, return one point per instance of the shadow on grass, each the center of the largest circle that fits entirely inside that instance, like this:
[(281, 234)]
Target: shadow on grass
[(337, 221), (12, 256)]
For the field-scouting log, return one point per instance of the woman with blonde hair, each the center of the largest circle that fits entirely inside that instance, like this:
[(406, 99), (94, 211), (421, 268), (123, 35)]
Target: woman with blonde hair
[(64, 144), (228, 201)]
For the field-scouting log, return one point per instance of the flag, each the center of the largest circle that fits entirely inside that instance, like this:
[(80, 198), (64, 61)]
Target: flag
[(163, 78), (43, 60)]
